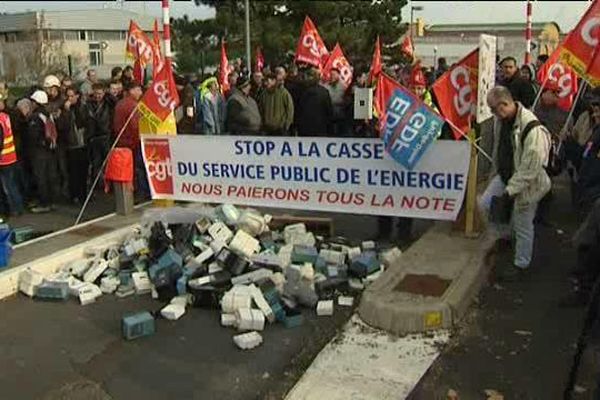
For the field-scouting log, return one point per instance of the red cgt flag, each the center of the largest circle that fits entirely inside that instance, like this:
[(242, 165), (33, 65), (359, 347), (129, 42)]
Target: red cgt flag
[(338, 60), (456, 92), (138, 45), (157, 60), (224, 69), (260, 60), (580, 50), (376, 66), (311, 49), (407, 47), (383, 92), (161, 98), (557, 72)]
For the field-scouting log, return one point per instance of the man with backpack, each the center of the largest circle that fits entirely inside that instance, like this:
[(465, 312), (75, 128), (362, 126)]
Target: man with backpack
[(43, 138), (519, 178)]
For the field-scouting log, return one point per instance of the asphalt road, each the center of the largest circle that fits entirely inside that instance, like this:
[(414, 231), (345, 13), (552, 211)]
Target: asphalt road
[(516, 339), (53, 351)]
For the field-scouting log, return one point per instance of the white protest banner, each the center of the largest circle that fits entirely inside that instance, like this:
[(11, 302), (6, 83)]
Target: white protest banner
[(486, 78), (323, 174)]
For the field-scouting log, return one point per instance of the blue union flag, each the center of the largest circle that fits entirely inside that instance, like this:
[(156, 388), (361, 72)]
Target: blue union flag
[(410, 128)]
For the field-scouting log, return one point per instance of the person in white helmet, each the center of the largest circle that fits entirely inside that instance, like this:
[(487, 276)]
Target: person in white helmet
[(56, 108), (42, 133)]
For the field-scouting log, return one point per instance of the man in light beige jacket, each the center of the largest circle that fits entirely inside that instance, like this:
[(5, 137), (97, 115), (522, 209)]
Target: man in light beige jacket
[(520, 154)]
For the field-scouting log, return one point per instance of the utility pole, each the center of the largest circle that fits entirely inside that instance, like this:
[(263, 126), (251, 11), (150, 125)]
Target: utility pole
[(248, 51), (528, 34)]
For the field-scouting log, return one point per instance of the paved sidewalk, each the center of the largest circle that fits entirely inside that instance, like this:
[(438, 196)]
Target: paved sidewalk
[(517, 340)]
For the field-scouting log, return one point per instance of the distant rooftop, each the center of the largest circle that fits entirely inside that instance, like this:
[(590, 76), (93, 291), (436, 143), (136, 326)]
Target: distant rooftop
[(108, 19), (511, 26)]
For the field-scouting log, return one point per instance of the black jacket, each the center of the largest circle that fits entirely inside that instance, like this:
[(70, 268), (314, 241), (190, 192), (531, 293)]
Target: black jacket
[(521, 90), (99, 117), (36, 133), (315, 112), (589, 172)]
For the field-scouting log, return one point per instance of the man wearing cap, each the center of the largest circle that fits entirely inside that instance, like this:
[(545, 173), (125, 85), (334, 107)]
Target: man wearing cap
[(242, 114), (42, 134), (418, 85), (276, 108), (56, 104)]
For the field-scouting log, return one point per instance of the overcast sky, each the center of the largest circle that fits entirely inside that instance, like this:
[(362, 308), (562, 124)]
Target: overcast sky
[(565, 13)]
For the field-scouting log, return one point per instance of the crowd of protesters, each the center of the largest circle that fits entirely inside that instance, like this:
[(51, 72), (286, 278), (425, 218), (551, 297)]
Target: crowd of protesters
[(57, 136)]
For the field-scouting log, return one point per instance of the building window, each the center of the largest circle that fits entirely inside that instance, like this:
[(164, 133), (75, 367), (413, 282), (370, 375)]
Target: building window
[(55, 35), (95, 50), (82, 35), (105, 35), (71, 35)]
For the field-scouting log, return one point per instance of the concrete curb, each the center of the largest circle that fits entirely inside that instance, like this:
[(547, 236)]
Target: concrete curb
[(9, 279), (439, 252)]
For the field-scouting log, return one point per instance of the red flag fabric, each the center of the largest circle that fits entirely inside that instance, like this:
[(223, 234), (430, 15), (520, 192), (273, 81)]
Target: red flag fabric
[(157, 57), (554, 71), (407, 47), (161, 98), (224, 69), (260, 60), (138, 45), (456, 92), (417, 77), (138, 72), (376, 66), (338, 60), (580, 50), (311, 49), (383, 92)]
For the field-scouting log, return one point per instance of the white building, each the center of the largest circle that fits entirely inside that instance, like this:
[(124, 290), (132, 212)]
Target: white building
[(40, 42), (454, 41)]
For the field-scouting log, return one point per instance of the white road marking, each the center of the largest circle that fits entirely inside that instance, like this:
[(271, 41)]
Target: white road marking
[(362, 363)]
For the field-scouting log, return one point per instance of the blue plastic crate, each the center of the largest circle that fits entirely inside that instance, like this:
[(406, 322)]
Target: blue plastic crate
[(138, 325)]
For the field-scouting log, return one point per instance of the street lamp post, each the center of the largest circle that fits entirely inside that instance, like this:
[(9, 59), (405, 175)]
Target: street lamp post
[(412, 12)]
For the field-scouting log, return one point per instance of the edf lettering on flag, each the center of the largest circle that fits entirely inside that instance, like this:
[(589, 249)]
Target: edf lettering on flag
[(456, 92), (554, 71), (338, 60), (311, 49), (580, 49), (410, 128), (138, 45), (161, 98)]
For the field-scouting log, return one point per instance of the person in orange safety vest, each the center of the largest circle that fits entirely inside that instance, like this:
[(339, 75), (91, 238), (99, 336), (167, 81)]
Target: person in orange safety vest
[(8, 160)]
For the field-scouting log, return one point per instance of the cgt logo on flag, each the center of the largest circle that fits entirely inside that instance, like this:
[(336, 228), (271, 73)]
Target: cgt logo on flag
[(410, 128), (157, 156)]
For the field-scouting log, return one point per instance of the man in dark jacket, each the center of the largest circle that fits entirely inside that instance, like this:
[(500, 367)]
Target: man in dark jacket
[(99, 114), (55, 107), (521, 90), (315, 114), (77, 153), (43, 153), (242, 115), (295, 86), (276, 108)]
